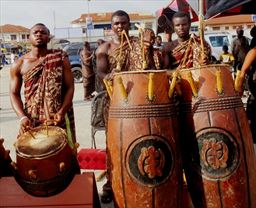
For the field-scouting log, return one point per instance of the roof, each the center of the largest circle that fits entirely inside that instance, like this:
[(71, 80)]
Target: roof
[(8, 28), (237, 19), (106, 17)]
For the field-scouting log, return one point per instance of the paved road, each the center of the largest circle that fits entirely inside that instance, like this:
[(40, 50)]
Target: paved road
[(9, 122)]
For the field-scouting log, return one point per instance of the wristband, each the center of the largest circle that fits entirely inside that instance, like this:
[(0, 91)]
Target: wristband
[(23, 117)]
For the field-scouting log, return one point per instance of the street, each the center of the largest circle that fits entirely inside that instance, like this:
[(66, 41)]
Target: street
[(9, 124)]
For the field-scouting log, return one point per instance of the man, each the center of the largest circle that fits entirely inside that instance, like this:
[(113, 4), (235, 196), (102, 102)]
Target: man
[(249, 67), (186, 51), (87, 70), (239, 48), (48, 84), (158, 42)]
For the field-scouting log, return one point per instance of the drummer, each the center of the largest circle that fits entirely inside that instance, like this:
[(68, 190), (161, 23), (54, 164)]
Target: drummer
[(48, 84), (185, 51), (122, 53)]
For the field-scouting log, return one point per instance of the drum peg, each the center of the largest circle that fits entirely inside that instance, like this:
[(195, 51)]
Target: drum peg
[(151, 87), (122, 89), (219, 82), (172, 85), (32, 174), (108, 88), (62, 167), (192, 84)]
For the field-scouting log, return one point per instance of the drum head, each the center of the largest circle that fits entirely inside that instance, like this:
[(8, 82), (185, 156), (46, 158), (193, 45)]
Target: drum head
[(41, 141)]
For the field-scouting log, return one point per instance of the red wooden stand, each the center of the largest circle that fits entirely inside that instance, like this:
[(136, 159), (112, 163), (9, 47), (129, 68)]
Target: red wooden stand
[(82, 192)]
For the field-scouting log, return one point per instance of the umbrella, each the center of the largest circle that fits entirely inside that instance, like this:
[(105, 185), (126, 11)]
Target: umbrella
[(212, 8)]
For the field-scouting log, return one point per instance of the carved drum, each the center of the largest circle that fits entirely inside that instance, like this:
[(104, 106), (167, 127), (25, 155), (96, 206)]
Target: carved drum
[(217, 144), (143, 142), (45, 162)]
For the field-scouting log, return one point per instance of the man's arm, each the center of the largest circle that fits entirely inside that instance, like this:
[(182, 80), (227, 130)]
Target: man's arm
[(102, 63), (68, 84), (249, 59), (15, 96)]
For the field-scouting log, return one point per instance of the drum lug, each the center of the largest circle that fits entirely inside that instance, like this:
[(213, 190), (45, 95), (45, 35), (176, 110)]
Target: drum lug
[(32, 174), (62, 167)]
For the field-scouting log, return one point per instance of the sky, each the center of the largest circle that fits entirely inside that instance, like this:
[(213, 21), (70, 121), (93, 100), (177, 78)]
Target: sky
[(60, 13)]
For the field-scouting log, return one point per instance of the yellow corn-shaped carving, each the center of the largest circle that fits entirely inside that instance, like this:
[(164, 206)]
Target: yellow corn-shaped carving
[(172, 85), (237, 80), (219, 82), (151, 87), (108, 88), (144, 64), (192, 84), (122, 88)]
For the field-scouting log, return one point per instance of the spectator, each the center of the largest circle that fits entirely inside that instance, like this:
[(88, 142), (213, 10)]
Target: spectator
[(253, 34), (239, 48), (226, 57)]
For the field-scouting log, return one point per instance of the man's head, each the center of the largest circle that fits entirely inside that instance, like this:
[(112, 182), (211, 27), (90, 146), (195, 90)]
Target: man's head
[(39, 35), (239, 32), (225, 48), (253, 32), (181, 23), (86, 45), (100, 41), (158, 40), (120, 21)]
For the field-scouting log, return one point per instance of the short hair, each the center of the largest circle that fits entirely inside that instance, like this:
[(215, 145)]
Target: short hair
[(159, 36), (253, 31), (120, 13), (182, 14), (225, 47), (40, 24)]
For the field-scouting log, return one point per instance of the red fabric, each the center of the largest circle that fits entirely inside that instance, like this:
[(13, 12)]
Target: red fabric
[(94, 159)]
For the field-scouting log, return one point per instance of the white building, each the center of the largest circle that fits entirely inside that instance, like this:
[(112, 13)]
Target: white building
[(14, 33)]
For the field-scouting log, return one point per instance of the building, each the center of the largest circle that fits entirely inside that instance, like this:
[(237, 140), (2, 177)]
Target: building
[(230, 24), (98, 25), (13, 33)]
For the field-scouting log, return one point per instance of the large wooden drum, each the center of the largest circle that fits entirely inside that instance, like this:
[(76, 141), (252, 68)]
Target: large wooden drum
[(45, 162), (143, 142), (217, 144)]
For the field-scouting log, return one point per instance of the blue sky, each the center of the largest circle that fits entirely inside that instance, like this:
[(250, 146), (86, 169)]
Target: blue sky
[(29, 12)]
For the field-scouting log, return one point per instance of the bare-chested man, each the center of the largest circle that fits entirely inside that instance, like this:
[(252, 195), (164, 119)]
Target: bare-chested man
[(48, 84)]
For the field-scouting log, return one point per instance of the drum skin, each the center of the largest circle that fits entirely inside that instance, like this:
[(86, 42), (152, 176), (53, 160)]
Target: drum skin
[(217, 145), (45, 164), (142, 143)]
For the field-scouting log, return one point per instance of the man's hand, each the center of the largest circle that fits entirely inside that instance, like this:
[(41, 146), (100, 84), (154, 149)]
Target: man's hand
[(149, 38), (25, 125), (58, 118)]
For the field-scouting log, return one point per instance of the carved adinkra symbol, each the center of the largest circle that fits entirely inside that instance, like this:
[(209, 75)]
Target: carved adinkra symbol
[(151, 162), (214, 153)]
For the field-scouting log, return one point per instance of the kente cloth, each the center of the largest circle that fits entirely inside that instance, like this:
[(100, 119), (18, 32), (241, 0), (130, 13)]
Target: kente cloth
[(188, 54), (43, 90)]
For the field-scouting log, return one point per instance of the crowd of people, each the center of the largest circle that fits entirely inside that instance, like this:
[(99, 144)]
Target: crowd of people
[(49, 85)]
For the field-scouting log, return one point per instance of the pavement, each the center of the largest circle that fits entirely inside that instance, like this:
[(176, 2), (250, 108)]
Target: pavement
[(9, 123)]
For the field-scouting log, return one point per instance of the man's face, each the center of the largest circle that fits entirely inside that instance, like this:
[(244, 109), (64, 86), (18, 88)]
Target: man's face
[(181, 26), (120, 23), (39, 36)]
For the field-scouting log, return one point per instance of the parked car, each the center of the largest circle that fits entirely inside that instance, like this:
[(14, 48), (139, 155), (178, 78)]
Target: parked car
[(73, 50), (217, 41)]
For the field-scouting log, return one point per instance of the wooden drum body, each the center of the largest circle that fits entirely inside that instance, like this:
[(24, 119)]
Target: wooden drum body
[(45, 162), (142, 142), (217, 144)]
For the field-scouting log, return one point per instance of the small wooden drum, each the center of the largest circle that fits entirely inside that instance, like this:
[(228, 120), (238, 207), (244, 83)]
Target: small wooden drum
[(216, 140), (45, 161), (142, 141)]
